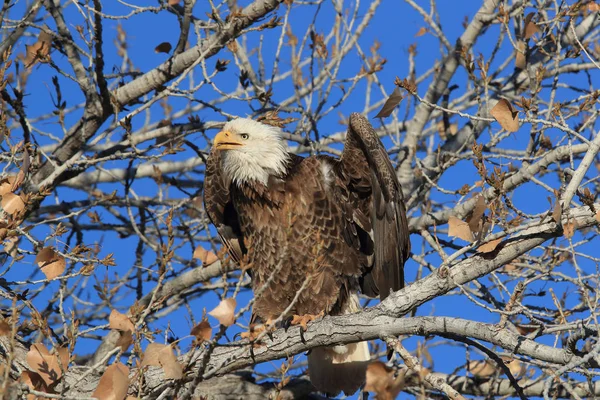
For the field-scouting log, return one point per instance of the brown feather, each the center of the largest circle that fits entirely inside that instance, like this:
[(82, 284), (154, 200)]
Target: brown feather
[(364, 151)]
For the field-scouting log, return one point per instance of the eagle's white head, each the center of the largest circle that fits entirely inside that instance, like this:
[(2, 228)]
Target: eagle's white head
[(251, 151)]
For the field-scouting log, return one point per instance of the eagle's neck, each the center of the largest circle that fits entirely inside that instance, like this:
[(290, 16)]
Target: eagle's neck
[(248, 169)]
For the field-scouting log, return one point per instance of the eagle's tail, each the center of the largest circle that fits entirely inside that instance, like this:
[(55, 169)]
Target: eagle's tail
[(340, 368)]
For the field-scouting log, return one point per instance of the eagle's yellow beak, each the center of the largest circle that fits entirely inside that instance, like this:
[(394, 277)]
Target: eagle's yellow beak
[(226, 141)]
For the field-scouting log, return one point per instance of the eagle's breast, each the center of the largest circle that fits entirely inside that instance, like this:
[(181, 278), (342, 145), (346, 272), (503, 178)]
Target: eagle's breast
[(292, 233)]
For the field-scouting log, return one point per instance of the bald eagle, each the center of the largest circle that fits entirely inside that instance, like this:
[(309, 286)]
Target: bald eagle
[(311, 231)]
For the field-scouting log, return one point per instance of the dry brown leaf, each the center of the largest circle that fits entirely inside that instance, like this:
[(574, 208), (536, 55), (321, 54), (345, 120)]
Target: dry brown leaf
[(5, 328), (12, 203), (120, 322), (423, 372), (520, 59), (225, 312), (50, 262), (526, 330), (206, 256), (481, 368), (443, 132), (506, 115), (152, 355), (3, 230), (113, 383), (390, 104), (459, 229), (164, 47), (46, 364), (39, 51), (11, 245), (125, 340), (421, 31), (22, 172), (6, 184), (174, 2), (530, 27), (161, 355), (515, 367), (194, 206), (489, 246), (383, 381), (593, 7), (477, 214), (202, 331), (34, 381), (510, 268), (557, 212), (569, 229)]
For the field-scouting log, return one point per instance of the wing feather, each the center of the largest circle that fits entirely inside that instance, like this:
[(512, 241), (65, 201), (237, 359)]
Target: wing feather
[(366, 162), (220, 209)]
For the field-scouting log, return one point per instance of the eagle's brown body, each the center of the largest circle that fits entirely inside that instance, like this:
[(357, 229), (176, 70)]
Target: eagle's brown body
[(317, 233), (294, 239)]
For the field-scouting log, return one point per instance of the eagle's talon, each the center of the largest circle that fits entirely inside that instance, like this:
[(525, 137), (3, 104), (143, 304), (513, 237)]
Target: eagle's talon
[(286, 323), (303, 320), (256, 330)]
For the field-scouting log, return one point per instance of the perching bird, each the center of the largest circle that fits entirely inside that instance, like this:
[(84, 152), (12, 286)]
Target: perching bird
[(311, 231)]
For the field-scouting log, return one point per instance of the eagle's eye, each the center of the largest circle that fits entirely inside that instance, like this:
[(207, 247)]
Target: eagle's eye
[(244, 136)]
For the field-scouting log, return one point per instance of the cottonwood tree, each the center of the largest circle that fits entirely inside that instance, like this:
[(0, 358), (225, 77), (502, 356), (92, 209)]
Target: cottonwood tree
[(113, 283)]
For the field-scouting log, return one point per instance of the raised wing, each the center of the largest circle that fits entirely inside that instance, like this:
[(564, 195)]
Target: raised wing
[(220, 210), (380, 211)]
